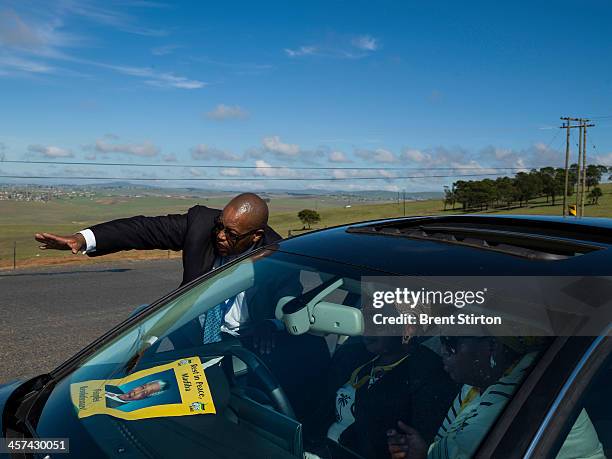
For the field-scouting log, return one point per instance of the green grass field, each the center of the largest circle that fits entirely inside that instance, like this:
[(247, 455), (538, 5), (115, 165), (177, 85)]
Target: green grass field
[(20, 220)]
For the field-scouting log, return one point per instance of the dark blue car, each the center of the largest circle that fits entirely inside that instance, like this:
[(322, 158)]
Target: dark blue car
[(150, 387)]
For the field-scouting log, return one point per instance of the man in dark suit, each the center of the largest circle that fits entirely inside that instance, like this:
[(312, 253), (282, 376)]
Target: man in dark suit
[(203, 234), (208, 238)]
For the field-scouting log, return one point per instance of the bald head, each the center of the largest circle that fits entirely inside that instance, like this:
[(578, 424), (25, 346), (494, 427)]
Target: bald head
[(244, 219), (249, 209)]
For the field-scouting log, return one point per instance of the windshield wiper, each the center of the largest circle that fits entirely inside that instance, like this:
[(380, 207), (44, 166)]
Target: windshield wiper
[(25, 398), (143, 346)]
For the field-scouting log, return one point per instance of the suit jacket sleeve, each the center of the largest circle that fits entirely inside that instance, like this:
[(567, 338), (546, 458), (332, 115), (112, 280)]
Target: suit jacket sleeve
[(140, 233)]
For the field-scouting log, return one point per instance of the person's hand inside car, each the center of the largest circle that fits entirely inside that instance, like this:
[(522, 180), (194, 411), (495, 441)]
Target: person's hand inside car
[(75, 243), (263, 337), (406, 445)]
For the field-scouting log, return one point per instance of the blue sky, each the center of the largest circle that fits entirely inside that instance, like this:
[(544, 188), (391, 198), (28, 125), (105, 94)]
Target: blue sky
[(310, 84)]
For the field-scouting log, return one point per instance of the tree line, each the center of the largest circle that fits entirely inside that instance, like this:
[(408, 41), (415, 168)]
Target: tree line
[(506, 192)]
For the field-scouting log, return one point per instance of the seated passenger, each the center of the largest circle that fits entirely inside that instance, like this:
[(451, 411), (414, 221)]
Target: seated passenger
[(368, 391), (490, 369)]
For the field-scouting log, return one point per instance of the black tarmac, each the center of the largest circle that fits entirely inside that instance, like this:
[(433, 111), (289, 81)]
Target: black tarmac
[(49, 314)]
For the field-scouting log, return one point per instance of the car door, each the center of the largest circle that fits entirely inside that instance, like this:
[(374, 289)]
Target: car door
[(563, 409)]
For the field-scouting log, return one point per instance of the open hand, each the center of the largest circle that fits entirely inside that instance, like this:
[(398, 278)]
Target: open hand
[(263, 337), (75, 242), (406, 445)]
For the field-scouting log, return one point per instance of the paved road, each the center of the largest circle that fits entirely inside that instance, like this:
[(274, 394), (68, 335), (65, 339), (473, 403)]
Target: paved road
[(48, 314)]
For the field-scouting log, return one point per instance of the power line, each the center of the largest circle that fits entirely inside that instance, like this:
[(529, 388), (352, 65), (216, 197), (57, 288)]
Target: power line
[(204, 179), (217, 166), (600, 117)]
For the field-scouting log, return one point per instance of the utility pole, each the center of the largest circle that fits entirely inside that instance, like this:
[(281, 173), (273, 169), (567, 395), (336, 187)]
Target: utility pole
[(579, 170), (584, 164), (404, 203), (567, 153), (568, 125)]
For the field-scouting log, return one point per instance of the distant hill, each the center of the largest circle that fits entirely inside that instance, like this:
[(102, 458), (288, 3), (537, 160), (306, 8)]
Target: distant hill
[(124, 187)]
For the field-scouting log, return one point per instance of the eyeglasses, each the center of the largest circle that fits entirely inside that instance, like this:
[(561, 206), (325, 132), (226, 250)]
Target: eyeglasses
[(232, 237)]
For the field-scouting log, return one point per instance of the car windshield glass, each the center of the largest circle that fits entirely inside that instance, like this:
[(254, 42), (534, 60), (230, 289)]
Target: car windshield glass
[(213, 369), (136, 376), (261, 280)]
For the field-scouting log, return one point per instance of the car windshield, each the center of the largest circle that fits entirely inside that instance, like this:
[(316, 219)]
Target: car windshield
[(134, 370), (262, 280), (213, 369)]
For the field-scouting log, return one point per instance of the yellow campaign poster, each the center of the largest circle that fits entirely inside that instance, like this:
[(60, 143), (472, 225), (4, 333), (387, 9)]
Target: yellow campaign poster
[(179, 388)]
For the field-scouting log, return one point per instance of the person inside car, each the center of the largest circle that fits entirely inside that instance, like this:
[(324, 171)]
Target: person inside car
[(490, 369), (365, 396)]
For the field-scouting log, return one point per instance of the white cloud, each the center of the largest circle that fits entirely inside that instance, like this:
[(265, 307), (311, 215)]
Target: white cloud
[(168, 80), (535, 156), (50, 151), (27, 41), (24, 43), (301, 51), (274, 145), (415, 155), (153, 77), (338, 157), (230, 172), (202, 152), (195, 172), (605, 159), (40, 37), (366, 43), (20, 64), (106, 16), (338, 47), (355, 173), (226, 112), (379, 155), (170, 158), (146, 149), (384, 156), (387, 173), (263, 169), (348, 173)]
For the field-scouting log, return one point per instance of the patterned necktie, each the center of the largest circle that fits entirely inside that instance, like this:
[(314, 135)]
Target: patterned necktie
[(214, 320)]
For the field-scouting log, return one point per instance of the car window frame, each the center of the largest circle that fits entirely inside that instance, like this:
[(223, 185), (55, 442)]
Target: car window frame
[(563, 413), (520, 429)]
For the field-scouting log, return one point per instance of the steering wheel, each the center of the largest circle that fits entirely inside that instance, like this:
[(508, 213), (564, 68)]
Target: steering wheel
[(262, 373)]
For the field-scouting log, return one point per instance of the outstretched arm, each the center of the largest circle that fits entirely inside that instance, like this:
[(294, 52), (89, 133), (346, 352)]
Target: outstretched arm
[(141, 233)]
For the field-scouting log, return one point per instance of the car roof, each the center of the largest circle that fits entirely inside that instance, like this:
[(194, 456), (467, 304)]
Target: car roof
[(466, 245)]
